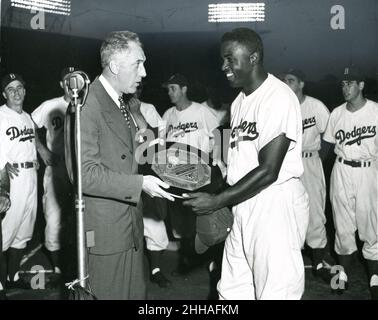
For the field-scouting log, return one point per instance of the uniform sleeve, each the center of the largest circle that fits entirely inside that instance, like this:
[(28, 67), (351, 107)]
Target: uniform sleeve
[(329, 131), (3, 161), (322, 117), (151, 115), (39, 116), (4, 147), (210, 121), (279, 115)]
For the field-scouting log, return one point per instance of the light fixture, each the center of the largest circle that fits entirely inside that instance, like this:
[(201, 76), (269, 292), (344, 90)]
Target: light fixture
[(62, 7), (236, 12)]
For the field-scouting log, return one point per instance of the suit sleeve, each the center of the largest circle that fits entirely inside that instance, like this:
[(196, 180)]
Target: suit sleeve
[(99, 180)]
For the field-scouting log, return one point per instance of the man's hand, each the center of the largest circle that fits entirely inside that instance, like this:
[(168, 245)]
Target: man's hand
[(152, 186), (201, 202), (4, 202), (12, 171), (49, 158)]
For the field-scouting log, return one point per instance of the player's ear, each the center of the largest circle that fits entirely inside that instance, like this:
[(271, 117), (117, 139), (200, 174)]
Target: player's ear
[(4, 95), (184, 89), (361, 85), (253, 58), (301, 84), (61, 84)]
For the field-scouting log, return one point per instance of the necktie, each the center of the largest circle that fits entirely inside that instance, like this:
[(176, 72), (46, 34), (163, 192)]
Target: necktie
[(125, 111)]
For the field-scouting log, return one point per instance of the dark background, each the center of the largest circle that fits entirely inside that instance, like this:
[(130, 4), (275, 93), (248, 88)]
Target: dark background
[(178, 38)]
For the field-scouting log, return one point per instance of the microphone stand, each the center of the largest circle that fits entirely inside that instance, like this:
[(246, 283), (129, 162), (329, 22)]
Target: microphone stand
[(79, 201)]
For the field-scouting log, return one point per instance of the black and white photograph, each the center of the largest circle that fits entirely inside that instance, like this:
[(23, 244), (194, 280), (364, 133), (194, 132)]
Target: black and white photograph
[(188, 152)]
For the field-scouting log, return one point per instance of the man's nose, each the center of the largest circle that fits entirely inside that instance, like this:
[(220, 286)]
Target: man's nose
[(143, 72)]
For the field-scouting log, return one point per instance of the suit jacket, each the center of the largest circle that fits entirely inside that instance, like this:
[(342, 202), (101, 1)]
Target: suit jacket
[(111, 186)]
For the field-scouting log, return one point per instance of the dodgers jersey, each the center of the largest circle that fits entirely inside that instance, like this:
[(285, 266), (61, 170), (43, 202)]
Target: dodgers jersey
[(314, 122), (50, 115), (17, 136), (354, 133), (192, 126), (256, 119)]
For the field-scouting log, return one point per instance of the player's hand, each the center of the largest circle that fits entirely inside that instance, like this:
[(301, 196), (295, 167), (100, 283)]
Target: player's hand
[(153, 187), (12, 171), (49, 158), (201, 202), (4, 203)]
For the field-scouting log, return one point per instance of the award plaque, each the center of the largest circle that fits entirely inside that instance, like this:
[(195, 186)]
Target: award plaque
[(183, 167)]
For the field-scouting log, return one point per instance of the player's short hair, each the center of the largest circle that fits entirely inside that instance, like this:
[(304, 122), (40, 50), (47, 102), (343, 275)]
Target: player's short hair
[(116, 42), (247, 37), (299, 74)]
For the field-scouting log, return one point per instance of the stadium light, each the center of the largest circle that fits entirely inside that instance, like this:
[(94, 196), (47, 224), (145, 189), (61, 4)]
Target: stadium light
[(236, 12), (62, 7)]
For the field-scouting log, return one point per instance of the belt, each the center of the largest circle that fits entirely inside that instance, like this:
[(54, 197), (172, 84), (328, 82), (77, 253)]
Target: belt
[(307, 154), (25, 165), (355, 164)]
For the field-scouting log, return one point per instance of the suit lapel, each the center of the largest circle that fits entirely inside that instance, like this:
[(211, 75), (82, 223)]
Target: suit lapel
[(113, 116)]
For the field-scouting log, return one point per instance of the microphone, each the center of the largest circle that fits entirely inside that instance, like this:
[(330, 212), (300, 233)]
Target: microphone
[(76, 80), (77, 85)]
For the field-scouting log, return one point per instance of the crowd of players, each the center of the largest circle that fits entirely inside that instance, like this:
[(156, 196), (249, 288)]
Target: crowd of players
[(350, 129)]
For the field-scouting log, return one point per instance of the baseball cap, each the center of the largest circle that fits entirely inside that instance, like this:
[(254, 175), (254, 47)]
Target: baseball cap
[(352, 73), (212, 229), (66, 71), (296, 72), (8, 78), (176, 79)]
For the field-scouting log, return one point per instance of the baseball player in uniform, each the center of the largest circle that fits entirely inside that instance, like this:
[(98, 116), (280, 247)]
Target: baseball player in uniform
[(190, 123), (155, 232), (17, 136), (4, 206), (50, 115), (314, 121), (352, 127), (262, 257)]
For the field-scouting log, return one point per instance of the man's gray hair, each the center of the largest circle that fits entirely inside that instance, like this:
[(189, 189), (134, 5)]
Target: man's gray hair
[(116, 42)]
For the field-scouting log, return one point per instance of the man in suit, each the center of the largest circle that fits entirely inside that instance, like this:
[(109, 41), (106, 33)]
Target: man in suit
[(111, 185)]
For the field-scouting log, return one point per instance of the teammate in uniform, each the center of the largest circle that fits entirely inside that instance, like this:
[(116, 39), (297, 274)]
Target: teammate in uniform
[(190, 123), (17, 136), (154, 209), (50, 116), (262, 257), (352, 127), (314, 121), (4, 206)]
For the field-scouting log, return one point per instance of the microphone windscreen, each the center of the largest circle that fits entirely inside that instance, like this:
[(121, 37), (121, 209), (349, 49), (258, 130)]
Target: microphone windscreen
[(76, 81)]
